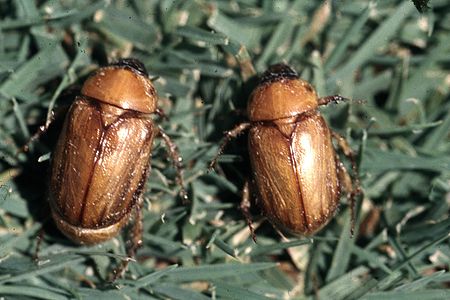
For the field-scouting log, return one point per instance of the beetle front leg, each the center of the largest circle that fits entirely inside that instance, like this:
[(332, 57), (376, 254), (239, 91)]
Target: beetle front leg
[(52, 117), (177, 163), (229, 135), (37, 135)]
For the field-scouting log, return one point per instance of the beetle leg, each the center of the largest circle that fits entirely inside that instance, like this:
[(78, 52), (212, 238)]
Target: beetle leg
[(136, 239), (177, 163), (136, 243), (39, 238), (352, 189), (348, 152), (346, 181), (245, 208), (160, 112), (52, 116), (329, 99), (229, 135), (36, 136)]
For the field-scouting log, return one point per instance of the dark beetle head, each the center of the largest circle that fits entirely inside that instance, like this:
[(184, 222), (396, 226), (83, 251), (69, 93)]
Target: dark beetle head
[(280, 94), (132, 64), (276, 73)]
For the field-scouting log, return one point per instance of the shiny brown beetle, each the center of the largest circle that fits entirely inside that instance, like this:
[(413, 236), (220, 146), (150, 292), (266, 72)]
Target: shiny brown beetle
[(295, 167), (101, 161)]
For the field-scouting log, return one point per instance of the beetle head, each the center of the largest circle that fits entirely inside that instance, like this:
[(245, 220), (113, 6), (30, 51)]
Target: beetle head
[(276, 73), (280, 94), (132, 64)]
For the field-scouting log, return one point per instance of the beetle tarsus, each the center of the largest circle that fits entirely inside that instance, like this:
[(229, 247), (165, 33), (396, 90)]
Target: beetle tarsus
[(229, 135), (177, 163)]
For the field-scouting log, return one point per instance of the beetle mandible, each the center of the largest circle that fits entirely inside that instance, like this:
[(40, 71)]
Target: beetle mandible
[(295, 167), (102, 158)]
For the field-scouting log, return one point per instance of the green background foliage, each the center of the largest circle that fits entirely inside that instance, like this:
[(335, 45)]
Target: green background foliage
[(392, 61)]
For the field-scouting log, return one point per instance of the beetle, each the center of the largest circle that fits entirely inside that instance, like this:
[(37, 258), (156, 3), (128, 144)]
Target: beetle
[(295, 167), (101, 161)]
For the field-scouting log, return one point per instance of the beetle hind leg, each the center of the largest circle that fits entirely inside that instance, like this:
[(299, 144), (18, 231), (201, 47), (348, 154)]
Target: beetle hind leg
[(134, 244), (245, 208), (37, 248), (348, 152), (346, 181), (352, 187)]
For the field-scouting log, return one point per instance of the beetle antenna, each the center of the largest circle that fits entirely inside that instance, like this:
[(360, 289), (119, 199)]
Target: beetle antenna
[(337, 99), (229, 135), (331, 99)]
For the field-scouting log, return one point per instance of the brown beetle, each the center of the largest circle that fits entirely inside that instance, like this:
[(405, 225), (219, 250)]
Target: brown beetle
[(295, 167), (101, 160)]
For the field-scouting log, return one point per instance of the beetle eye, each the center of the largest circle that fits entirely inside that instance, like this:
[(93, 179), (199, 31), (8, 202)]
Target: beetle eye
[(278, 72), (131, 63)]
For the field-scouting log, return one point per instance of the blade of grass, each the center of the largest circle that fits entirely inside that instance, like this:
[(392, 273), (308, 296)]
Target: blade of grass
[(377, 39)]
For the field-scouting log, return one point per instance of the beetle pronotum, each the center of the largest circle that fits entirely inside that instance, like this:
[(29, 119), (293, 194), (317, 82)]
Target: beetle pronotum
[(102, 159), (295, 167)]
